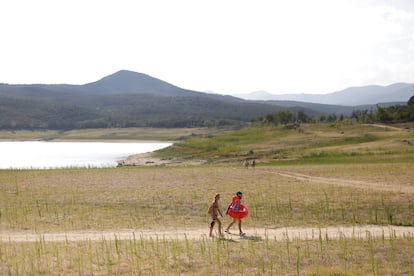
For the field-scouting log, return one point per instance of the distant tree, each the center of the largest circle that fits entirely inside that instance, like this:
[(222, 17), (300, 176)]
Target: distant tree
[(410, 116), (363, 116), (302, 117), (322, 118), (270, 119), (383, 115), (411, 102), (254, 119), (332, 118), (284, 117), (209, 123)]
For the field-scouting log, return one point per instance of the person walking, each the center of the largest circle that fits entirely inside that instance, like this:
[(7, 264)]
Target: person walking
[(236, 211), (214, 211)]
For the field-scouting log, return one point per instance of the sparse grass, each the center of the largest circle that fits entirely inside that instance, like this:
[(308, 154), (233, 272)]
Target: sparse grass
[(358, 175), (72, 199), (159, 256)]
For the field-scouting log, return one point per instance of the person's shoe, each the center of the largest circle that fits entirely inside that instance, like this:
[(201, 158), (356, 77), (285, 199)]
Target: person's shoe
[(242, 234), (227, 231)]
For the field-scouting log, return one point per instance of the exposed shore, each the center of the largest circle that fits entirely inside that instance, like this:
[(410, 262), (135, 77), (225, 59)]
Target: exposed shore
[(146, 159)]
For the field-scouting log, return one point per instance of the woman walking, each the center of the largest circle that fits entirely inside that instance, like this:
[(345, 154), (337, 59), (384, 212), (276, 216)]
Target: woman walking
[(214, 211), (237, 212)]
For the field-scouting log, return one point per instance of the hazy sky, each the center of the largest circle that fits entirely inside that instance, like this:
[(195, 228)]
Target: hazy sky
[(226, 46)]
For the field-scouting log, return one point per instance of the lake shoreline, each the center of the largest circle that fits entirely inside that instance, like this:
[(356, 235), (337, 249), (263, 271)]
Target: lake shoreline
[(146, 159), (86, 140)]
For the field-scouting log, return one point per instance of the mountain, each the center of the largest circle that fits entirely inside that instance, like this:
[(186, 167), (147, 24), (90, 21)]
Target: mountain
[(128, 82), (123, 99), (353, 96), (131, 99), (398, 92), (123, 82)]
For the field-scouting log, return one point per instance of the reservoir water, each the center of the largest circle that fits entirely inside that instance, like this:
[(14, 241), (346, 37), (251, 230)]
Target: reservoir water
[(44, 155)]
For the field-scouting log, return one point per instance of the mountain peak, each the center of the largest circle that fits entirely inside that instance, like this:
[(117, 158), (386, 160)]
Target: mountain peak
[(130, 82), (125, 74), (123, 77)]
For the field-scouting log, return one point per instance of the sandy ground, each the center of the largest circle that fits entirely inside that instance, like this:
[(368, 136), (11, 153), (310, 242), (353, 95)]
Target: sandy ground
[(145, 159), (257, 234)]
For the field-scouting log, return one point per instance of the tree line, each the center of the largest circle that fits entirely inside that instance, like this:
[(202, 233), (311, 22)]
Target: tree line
[(123, 111), (392, 114)]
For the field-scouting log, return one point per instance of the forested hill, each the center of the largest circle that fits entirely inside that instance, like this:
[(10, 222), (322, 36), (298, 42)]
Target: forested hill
[(131, 99), (123, 99)]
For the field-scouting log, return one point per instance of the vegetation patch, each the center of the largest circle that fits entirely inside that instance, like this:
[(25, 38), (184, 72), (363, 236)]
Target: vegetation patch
[(310, 144)]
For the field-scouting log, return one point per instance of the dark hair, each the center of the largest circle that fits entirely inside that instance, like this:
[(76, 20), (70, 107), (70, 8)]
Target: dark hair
[(239, 193)]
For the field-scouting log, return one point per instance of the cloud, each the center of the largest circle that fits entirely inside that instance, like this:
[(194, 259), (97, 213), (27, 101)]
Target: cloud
[(232, 46), (392, 52)]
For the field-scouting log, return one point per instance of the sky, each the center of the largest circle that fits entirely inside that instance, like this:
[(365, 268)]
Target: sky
[(224, 46)]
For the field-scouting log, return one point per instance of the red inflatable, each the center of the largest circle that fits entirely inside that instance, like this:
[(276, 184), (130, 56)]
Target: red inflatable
[(242, 212)]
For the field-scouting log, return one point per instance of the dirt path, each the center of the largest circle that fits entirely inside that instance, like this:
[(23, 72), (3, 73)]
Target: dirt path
[(279, 234), (349, 183), (385, 127)]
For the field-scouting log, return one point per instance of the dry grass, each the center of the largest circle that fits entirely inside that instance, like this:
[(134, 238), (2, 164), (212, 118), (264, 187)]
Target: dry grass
[(356, 256), (177, 197), (74, 199), (327, 194)]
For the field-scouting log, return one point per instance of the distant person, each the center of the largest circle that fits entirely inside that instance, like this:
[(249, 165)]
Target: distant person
[(237, 212), (214, 211), (253, 164), (246, 163)]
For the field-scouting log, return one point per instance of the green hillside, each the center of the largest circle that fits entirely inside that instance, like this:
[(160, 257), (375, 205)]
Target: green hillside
[(310, 144)]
